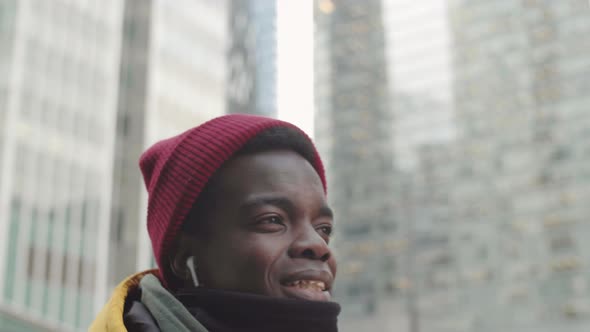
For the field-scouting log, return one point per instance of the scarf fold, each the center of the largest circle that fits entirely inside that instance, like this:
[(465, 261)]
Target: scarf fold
[(232, 311), (204, 310), (170, 314)]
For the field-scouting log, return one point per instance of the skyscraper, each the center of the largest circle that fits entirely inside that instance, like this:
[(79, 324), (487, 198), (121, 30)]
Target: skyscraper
[(252, 57), (519, 195), (132, 106), (419, 58), (60, 63), (494, 213), (89, 86), (498, 213), (165, 89), (353, 132), (419, 66)]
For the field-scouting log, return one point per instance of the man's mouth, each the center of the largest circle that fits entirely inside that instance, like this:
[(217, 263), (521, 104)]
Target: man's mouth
[(308, 286), (316, 285)]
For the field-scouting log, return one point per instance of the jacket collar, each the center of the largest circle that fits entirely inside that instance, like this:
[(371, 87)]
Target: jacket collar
[(110, 318)]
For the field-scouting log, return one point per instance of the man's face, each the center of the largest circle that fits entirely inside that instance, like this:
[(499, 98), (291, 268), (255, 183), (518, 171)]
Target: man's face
[(269, 231)]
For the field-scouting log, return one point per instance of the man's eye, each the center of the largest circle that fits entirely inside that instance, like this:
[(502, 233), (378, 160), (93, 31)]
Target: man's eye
[(271, 220), (326, 230), (269, 224)]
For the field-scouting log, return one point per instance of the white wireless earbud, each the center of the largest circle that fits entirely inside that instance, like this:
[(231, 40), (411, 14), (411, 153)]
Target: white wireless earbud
[(190, 264)]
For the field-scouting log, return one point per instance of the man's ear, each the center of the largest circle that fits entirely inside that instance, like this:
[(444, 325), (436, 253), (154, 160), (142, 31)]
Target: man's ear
[(179, 255)]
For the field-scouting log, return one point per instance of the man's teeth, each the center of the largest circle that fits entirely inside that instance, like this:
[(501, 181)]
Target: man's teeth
[(313, 284)]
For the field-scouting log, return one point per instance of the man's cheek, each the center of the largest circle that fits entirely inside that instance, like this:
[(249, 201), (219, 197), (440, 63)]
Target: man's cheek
[(333, 266)]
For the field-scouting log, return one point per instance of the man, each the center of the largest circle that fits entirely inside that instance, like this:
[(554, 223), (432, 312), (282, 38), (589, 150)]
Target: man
[(240, 226)]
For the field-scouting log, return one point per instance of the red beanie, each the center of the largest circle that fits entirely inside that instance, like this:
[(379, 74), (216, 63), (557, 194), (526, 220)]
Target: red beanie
[(177, 169)]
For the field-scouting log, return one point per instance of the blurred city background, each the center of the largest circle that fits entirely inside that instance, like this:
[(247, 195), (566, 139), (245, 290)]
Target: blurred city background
[(456, 135)]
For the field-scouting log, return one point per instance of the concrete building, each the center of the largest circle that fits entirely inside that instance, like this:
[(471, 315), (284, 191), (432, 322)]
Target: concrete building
[(86, 86), (58, 103), (493, 205), (353, 133), (419, 59), (252, 57), (497, 213), (520, 186), (172, 79)]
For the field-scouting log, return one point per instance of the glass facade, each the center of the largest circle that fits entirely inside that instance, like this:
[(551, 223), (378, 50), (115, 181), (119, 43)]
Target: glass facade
[(57, 123), (91, 85), (252, 57)]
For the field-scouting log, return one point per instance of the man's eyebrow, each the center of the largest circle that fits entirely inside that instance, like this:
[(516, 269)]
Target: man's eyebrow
[(278, 201), (281, 202), (325, 211)]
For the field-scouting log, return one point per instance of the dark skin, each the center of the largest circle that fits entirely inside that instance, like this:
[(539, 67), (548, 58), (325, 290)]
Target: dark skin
[(268, 232)]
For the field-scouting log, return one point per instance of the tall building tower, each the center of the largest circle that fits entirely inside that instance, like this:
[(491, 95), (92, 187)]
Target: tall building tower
[(88, 87), (252, 57), (419, 58), (172, 79), (418, 54), (353, 133), (126, 214), (58, 100), (521, 187)]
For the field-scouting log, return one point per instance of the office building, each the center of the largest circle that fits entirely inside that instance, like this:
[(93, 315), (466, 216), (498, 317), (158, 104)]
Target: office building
[(252, 57), (520, 184), (165, 90), (353, 133), (86, 87), (60, 65), (492, 205)]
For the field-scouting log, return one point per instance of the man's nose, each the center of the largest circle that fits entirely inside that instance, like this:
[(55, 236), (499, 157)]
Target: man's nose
[(310, 245)]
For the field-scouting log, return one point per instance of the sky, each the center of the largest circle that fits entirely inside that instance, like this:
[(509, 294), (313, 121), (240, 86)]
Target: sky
[(295, 96), (295, 63)]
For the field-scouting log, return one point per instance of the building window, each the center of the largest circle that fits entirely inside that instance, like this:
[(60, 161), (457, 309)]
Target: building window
[(562, 243), (354, 290), (13, 232)]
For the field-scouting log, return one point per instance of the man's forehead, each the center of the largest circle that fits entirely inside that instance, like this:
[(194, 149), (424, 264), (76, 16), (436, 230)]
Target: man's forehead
[(266, 168)]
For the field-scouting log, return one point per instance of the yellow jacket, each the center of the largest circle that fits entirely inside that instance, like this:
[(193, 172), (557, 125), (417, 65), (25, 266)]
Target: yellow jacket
[(110, 318)]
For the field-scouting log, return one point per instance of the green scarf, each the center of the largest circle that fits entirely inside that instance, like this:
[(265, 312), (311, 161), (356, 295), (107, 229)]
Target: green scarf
[(170, 314)]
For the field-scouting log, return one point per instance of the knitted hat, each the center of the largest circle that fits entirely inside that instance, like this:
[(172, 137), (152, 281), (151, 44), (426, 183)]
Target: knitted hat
[(176, 170)]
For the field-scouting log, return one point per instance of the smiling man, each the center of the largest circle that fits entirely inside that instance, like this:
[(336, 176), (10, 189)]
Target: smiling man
[(240, 226)]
